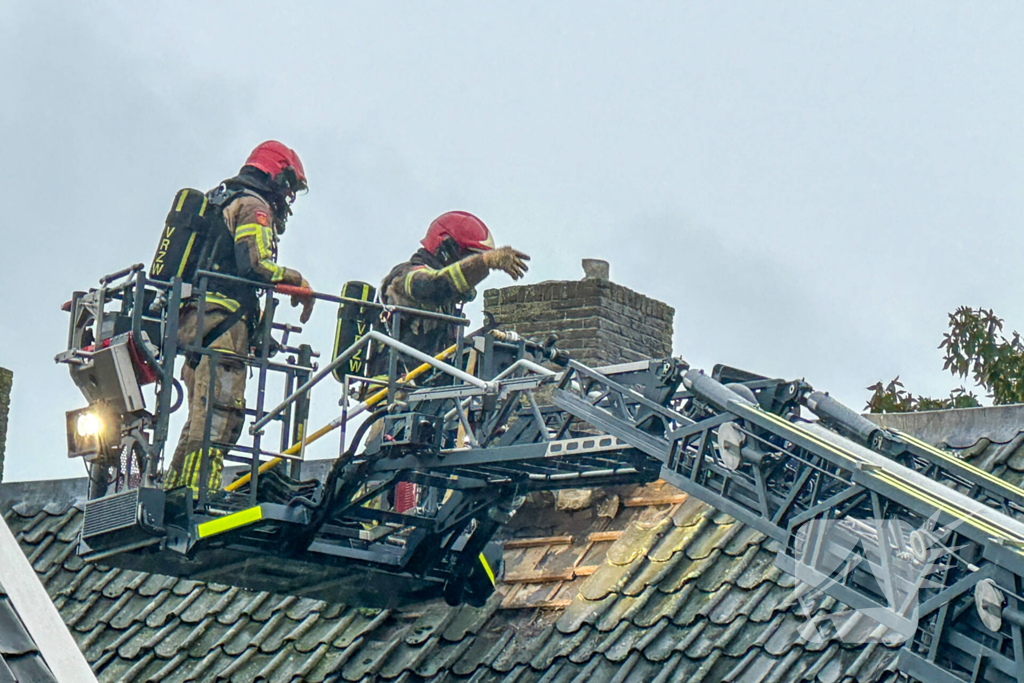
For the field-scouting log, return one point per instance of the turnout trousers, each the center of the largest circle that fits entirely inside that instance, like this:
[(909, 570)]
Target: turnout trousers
[(226, 406)]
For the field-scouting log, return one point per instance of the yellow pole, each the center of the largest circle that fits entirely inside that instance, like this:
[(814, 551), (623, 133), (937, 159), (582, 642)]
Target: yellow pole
[(334, 424)]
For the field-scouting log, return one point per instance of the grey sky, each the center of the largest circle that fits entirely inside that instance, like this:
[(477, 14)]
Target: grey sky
[(813, 186)]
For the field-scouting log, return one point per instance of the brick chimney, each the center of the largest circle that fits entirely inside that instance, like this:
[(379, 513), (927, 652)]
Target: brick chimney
[(597, 321)]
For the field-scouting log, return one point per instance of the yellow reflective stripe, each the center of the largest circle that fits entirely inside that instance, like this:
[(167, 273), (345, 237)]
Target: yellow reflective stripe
[(181, 200), (247, 230), (230, 304), (276, 271), (487, 568), (232, 521), (455, 273), (264, 236), (202, 209), (906, 487), (949, 508), (802, 432), (187, 467), (949, 457), (408, 280), (188, 250), (263, 239)]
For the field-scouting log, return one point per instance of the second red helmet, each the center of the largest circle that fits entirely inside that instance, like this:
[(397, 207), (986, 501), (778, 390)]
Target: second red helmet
[(281, 163), (468, 231)]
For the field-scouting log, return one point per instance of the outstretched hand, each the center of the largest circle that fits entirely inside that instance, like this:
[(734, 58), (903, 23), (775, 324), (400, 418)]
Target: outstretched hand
[(508, 260)]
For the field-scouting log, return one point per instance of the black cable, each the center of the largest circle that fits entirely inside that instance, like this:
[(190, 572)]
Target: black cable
[(346, 457), (321, 509)]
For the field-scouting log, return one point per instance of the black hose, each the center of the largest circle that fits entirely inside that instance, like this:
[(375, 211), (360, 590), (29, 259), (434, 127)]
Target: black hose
[(321, 510), (357, 438)]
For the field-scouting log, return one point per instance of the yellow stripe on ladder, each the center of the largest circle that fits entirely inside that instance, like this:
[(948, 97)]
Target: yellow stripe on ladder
[(232, 521)]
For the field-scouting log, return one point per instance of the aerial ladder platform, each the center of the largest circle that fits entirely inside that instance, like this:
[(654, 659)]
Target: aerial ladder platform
[(928, 547)]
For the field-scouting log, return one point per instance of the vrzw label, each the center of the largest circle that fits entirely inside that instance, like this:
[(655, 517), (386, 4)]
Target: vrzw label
[(161, 252), (355, 363)]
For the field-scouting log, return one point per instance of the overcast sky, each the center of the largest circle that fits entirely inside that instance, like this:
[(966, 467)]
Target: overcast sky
[(812, 186)]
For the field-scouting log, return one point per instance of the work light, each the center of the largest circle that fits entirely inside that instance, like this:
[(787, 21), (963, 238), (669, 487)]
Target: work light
[(88, 431)]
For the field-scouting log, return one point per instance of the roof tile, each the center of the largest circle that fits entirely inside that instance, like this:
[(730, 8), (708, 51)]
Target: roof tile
[(239, 638), (288, 634), (467, 619), (635, 542), (484, 651), (14, 639), (244, 604), (370, 658)]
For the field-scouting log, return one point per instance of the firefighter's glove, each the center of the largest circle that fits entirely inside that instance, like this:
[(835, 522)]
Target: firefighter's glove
[(507, 259), (306, 301)]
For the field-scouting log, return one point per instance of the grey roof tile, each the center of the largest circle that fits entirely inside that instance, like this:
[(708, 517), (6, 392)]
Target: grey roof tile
[(14, 638), (29, 668), (326, 660), (324, 630), (484, 651), (467, 620), (433, 619), (734, 603), (370, 658), (83, 615), (154, 585), (183, 587), (583, 611), (240, 637), (286, 636), (42, 555), (273, 606), (205, 637), (726, 572), (301, 609), (555, 645)]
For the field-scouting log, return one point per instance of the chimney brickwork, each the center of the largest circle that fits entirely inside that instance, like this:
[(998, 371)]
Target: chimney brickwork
[(596, 321)]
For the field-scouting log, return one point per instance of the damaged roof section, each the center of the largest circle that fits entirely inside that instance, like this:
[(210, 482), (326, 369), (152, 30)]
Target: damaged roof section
[(639, 583)]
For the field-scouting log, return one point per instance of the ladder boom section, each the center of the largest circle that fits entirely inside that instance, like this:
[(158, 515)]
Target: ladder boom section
[(906, 535), (907, 449)]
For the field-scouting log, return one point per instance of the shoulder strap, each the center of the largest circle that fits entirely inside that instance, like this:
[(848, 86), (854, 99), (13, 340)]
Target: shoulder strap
[(215, 333), (222, 195)]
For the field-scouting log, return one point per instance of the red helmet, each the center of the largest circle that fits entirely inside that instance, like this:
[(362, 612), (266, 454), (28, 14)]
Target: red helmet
[(281, 163), (468, 231)]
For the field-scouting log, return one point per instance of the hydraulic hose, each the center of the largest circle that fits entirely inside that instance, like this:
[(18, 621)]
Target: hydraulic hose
[(347, 456), (321, 511)]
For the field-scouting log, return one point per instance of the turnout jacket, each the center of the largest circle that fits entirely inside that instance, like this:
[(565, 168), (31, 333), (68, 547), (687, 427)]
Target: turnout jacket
[(250, 252), (424, 282)]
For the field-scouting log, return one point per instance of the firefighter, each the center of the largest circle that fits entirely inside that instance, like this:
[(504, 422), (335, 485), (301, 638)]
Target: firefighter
[(458, 252), (254, 215)]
